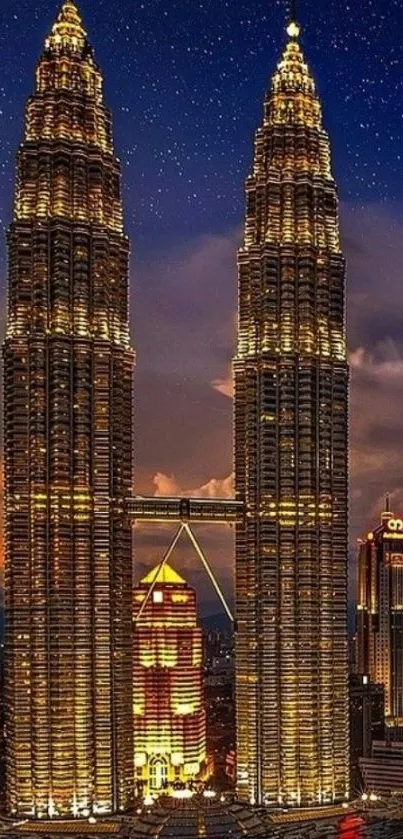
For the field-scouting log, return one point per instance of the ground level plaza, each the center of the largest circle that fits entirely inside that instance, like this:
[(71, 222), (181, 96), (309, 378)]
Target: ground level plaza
[(187, 815)]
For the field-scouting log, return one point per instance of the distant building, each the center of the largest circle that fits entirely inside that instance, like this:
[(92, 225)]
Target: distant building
[(367, 723), (383, 772), (169, 713), (352, 651), (379, 617), (219, 687)]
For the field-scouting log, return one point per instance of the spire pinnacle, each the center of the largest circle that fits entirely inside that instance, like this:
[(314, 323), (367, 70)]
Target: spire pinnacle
[(68, 30), (293, 28), (387, 514)]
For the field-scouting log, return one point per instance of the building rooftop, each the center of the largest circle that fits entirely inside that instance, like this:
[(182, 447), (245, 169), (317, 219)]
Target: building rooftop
[(194, 817), (164, 575), (68, 827), (198, 816)]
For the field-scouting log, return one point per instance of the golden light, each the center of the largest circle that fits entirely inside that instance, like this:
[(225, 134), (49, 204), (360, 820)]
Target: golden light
[(182, 793), (293, 29), (70, 757), (169, 735), (289, 349)]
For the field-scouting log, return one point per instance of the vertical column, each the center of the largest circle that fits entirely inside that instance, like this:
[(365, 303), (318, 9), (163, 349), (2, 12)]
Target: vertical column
[(103, 640), (83, 511), (17, 658), (39, 514)]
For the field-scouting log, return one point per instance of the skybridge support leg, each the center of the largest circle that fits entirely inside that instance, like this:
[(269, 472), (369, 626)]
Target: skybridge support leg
[(185, 527), (207, 567)]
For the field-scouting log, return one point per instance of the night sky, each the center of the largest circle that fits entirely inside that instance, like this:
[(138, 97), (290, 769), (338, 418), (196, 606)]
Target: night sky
[(185, 81)]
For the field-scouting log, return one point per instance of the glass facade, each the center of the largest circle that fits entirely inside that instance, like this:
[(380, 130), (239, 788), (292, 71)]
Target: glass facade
[(68, 441), (291, 381)]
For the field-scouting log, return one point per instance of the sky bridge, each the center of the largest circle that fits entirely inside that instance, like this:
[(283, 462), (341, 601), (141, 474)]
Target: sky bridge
[(194, 510), (186, 512)]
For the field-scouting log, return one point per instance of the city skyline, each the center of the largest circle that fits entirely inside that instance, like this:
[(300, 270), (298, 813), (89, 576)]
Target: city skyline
[(72, 684), (188, 311)]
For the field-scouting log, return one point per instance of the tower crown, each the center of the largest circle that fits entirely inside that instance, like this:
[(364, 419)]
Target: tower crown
[(292, 96), (68, 33)]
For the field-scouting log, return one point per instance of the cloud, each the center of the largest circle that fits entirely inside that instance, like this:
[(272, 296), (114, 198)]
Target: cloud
[(376, 431), (197, 429), (184, 314), (374, 250), (214, 488), (184, 302), (224, 386), (182, 427)]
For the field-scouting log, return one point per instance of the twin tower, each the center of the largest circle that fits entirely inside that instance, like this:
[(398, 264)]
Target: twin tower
[(68, 455)]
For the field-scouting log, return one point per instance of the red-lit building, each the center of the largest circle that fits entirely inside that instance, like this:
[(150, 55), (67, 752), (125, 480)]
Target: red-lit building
[(169, 713), (379, 617)]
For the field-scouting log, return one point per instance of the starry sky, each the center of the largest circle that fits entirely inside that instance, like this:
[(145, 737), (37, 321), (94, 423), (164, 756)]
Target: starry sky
[(185, 80)]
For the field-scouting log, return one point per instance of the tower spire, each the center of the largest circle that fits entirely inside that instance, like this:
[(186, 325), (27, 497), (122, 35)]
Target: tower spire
[(387, 514), (293, 28)]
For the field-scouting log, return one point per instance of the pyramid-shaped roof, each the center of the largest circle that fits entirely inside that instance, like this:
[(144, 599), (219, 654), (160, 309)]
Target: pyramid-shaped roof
[(164, 575)]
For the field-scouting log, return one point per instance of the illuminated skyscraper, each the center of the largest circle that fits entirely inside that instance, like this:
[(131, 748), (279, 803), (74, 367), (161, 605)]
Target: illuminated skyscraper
[(68, 392), (169, 715), (379, 616), (291, 382)]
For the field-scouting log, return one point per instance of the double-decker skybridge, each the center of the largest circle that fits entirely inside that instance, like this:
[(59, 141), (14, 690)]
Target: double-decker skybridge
[(185, 512)]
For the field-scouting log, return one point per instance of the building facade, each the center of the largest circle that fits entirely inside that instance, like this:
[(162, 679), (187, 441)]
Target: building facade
[(367, 723), (291, 381), (169, 713), (67, 417), (382, 772), (379, 614)]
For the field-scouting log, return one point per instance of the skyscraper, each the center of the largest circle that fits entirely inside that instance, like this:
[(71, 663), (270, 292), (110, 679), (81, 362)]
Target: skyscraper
[(291, 383), (169, 713), (68, 392), (379, 615), (367, 723)]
